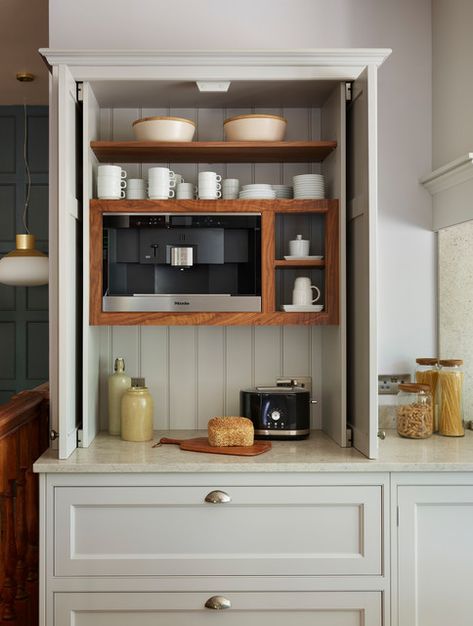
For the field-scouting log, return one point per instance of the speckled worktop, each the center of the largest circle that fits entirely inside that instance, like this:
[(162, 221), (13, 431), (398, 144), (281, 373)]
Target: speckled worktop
[(316, 454)]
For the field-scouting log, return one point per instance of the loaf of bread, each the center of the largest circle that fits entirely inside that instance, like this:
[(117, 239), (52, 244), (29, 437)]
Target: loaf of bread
[(231, 431)]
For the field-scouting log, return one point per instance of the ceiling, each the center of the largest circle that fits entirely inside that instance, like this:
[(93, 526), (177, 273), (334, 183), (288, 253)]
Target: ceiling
[(23, 29)]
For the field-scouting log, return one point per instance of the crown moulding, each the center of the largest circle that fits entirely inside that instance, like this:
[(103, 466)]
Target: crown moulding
[(451, 187)]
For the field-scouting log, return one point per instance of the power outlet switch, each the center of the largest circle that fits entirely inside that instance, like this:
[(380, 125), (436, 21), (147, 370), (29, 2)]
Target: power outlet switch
[(388, 384)]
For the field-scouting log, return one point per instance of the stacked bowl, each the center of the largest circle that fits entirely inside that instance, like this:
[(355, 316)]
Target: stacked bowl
[(309, 186), (258, 191)]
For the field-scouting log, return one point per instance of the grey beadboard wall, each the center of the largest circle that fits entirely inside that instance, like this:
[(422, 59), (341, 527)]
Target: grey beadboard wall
[(197, 372)]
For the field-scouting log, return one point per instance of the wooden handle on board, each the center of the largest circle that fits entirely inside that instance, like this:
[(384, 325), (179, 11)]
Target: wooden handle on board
[(168, 440)]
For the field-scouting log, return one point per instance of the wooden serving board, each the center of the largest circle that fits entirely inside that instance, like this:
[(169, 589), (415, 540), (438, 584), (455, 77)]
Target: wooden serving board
[(201, 444)]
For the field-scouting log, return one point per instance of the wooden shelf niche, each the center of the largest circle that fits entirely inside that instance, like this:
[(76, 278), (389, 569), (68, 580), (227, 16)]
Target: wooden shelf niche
[(272, 212), (212, 151)]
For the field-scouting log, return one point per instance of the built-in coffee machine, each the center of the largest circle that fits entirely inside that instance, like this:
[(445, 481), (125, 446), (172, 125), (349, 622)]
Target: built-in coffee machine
[(176, 262)]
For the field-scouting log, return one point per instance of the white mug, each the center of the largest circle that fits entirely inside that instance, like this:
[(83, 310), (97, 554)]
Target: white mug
[(160, 172), (302, 293), (136, 194), (185, 191), (299, 246), (135, 183), (209, 177), (209, 195), (111, 195), (159, 194), (111, 170)]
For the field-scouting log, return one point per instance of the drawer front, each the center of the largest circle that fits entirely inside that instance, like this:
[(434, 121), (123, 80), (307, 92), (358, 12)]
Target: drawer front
[(247, 609), (123, 531)]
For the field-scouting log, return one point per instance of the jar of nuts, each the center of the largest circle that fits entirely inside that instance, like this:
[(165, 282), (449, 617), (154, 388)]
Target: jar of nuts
[(414, 411)]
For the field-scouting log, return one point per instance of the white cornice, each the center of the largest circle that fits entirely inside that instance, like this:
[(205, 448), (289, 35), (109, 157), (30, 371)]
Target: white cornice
[(345, 57), (454, 173), (451, 187)]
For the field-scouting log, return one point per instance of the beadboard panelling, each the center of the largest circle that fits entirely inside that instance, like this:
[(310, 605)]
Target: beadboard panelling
[(195, 373), (210, 373)]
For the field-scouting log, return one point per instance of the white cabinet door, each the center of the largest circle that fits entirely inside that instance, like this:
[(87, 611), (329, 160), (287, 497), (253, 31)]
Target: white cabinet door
[(173, 531), (66, 244), (435, 560), (247, 609), (362, 411)]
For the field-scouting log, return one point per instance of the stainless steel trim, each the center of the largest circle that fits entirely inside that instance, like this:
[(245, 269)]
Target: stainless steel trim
[(217, 497), (202, 303), (282, 433), (173, 214)]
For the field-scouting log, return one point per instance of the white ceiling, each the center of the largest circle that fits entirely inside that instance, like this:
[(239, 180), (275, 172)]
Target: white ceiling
[(23, 29)]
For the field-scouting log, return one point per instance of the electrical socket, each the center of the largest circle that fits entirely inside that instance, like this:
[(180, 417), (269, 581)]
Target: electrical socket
[(388, 384)]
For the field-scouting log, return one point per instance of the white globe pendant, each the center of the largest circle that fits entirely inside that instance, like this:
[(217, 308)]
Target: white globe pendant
[(25, 266)]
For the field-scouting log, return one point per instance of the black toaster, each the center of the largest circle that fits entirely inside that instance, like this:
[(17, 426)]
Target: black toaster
[(277, 412)]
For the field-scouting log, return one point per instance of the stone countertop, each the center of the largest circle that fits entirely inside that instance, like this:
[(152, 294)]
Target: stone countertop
[(318, 453)]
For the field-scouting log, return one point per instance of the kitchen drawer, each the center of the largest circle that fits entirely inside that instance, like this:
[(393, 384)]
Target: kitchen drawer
[(297, 530), (248, 609)]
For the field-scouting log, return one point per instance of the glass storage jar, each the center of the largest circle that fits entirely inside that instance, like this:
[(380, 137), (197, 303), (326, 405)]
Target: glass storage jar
[(414, 411), (137, 412), (450, 398), (427, 373)]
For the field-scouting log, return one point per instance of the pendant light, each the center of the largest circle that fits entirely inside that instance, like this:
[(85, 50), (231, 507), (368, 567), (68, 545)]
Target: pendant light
[(25, 266)]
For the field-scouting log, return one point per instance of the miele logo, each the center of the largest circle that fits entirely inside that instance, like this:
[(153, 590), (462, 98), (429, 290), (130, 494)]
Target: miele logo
[(181, 302)]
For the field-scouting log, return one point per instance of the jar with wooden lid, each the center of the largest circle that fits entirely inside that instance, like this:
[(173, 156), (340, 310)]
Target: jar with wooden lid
[(414, 411), (427, 373), (450, 398), (137, 412)]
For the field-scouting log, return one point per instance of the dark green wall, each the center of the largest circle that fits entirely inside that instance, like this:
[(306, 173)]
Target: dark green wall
[(23, 311)]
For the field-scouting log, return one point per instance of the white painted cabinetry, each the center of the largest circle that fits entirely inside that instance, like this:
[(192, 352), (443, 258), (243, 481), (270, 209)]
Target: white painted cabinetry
[(433, 542), (250, 609), (151, 549)]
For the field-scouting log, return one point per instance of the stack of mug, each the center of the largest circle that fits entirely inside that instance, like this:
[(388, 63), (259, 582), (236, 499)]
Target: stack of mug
[(111, 182), (209, 186), (161, 183), (185, 191), (136, 189), (230, 188)]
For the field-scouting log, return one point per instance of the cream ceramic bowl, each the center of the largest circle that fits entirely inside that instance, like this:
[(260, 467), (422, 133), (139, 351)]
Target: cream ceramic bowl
[(163, 129), (255, 127)]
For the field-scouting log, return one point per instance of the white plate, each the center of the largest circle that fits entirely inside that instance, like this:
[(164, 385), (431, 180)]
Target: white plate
[(302, 308), (304, 258)]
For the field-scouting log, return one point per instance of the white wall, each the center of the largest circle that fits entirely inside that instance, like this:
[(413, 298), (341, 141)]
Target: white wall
[(406, 247), (452, 85)]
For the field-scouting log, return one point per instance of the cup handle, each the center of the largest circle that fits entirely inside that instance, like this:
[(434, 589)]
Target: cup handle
[(122, 193), (318, 293), (171, 193), (123, 174), (218, 178), (218, 193), (172, 182), (123, 183)]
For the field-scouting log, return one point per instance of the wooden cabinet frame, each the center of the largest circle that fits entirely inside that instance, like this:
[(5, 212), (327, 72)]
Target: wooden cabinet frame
[(268, 210)]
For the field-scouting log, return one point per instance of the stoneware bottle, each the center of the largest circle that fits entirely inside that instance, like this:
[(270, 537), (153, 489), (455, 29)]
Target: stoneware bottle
[(137, 412), (118, 383)]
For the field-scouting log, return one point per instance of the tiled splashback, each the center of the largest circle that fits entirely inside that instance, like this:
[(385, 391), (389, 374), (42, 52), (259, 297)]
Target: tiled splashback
[(195, 373)]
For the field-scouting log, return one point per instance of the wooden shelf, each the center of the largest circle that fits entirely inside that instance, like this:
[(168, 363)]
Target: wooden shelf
[(212, 151), (282, 263)]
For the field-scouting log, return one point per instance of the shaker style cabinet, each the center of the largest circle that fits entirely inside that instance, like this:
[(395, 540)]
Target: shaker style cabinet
[(94, 99), (434, 564)]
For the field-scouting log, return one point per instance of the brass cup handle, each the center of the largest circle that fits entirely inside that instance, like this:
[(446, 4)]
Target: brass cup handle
[(217, 497), (217, 603)]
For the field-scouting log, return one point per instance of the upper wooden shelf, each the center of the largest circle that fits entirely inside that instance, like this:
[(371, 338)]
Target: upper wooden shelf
[(212, 151)]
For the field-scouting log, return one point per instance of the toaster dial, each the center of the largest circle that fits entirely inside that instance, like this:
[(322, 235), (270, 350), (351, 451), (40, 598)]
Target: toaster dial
[(275, 415)]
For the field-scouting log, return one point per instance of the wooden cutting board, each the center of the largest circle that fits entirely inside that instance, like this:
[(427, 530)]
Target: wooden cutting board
[(201, 444)]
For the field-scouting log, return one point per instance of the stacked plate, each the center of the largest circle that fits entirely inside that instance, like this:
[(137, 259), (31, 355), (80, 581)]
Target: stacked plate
[(283, 191), (309, 186), (260, 192)]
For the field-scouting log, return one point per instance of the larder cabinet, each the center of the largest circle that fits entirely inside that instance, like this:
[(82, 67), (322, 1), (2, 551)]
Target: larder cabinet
[(329, 99)]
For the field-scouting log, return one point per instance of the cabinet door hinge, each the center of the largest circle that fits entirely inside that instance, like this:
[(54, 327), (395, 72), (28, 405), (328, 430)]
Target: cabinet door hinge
[(80, 92), (349, 437), (79, 438), (348, 92)]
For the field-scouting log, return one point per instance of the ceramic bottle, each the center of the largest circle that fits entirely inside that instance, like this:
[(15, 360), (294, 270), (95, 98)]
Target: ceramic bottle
[(118, 383)]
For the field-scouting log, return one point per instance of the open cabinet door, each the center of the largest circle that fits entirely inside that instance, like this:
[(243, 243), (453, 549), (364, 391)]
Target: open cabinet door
[(361, 263), (90, 334), (67, 290)]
